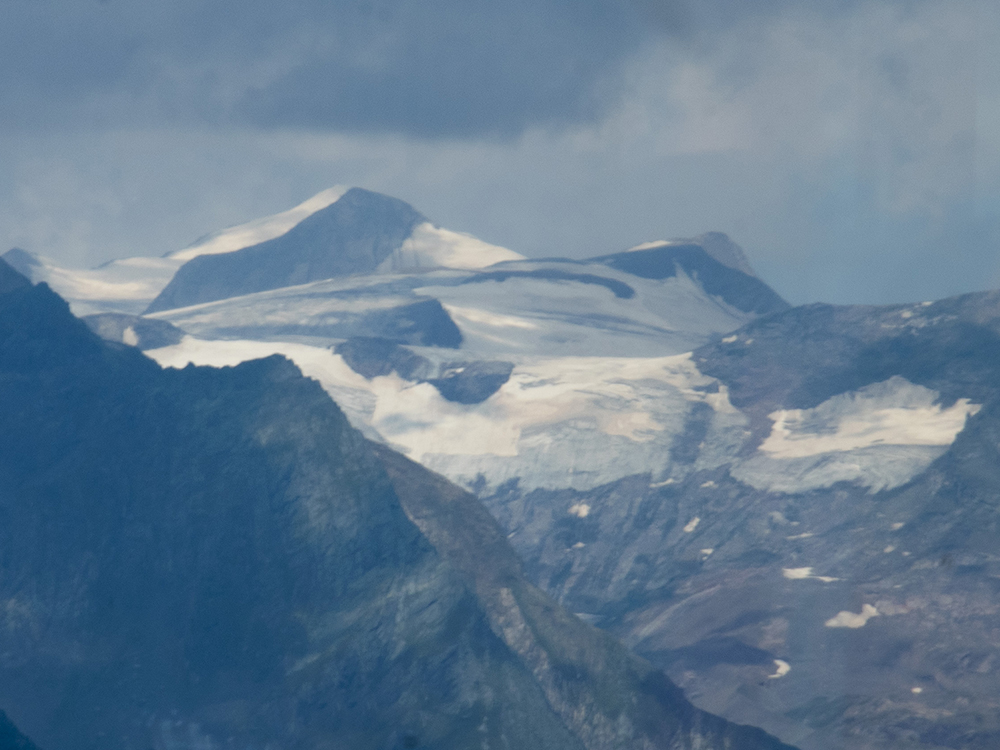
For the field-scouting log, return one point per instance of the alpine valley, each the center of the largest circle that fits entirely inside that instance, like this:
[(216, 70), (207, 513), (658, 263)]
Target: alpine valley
[(792, 512)]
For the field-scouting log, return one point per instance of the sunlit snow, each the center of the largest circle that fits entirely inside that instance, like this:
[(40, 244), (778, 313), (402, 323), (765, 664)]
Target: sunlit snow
[(566, 422), (879, 436), (258, 230), (845, 619), (429, 246), (126, 285), (801, 574), (783, 668), (893, 412), (130, 284)]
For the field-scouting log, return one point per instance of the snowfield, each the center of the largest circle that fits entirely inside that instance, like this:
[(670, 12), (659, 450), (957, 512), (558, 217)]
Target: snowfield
[(879, 436), (603, 385)]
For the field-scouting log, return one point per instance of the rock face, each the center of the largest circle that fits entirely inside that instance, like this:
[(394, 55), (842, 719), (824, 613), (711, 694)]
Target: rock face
[(353, 235), (792, 511), (458, 382), (574, 373), (205, 558), (21, 261), (134, 330), (835, 581), (727, 278), (11, 738)]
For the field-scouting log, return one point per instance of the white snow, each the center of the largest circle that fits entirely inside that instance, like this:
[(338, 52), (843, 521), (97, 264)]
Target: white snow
[(432, 247), (126, 285), (565, 422), (130, 284), (893, 412), (520, 317), (495, 320), (259, 230), (879, 436), (783, 668), (845, 619), (801, 574), (797, 573), (546, 317), (649, 245)]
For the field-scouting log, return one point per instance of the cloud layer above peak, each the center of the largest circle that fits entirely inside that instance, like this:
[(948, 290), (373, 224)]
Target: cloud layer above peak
[(852, 147)]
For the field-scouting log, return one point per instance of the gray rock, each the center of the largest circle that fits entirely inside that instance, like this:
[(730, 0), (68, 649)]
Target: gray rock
[(724, 278), (134, 330), (213, 557), (351, 236), (762, 574)]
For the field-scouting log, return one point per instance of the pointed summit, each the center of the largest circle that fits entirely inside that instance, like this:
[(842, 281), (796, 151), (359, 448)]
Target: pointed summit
[(10, 278), (352, 235), (714, 261), (22, 261)]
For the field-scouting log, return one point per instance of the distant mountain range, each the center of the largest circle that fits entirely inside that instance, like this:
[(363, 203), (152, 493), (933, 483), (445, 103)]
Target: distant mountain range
[(205, 558), (790, 510)]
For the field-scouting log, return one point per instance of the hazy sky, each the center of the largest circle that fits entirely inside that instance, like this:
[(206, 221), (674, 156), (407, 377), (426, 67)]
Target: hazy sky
[(852, 148)]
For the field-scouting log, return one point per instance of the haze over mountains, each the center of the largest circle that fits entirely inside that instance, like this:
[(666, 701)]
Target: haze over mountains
[(792, 511)]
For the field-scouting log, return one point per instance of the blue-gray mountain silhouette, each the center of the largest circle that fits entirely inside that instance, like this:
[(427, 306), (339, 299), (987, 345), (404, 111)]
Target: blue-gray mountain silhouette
[(350, 236)]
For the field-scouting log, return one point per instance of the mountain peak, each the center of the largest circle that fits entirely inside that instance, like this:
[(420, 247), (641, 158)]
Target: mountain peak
[(10, 278), (718, 245), (714, 262), (352, 235), (22, 261), (259, 230)]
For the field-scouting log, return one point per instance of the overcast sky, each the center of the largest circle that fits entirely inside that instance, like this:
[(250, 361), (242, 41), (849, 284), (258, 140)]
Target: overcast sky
[(852, 148)]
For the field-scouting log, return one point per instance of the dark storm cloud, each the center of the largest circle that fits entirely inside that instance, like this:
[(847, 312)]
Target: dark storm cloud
[(432, 68), (438, 67), (453, 68)]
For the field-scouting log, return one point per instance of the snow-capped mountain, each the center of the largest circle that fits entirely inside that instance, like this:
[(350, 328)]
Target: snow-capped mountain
[(129, 285), (832, 579), (568, 373), (206, 558), (745, 493)]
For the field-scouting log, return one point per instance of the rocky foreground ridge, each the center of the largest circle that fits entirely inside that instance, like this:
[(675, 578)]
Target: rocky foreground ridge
[(204, 558), (791, 511)]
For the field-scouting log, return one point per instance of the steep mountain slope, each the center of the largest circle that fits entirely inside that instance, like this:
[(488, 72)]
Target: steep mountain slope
[(834, 580), (214, 557), (11, 738), (127, 285), (792, 511), (563, 368), (342, 231), (355, 234)]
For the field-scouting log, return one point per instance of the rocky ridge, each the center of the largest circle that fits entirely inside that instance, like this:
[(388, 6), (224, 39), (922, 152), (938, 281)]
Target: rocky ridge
[(207, 557)]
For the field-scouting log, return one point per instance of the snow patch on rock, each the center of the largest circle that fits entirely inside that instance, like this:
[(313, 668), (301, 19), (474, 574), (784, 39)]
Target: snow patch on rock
[(879, 436), (846, 619), (433, 247), (566, 422)]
